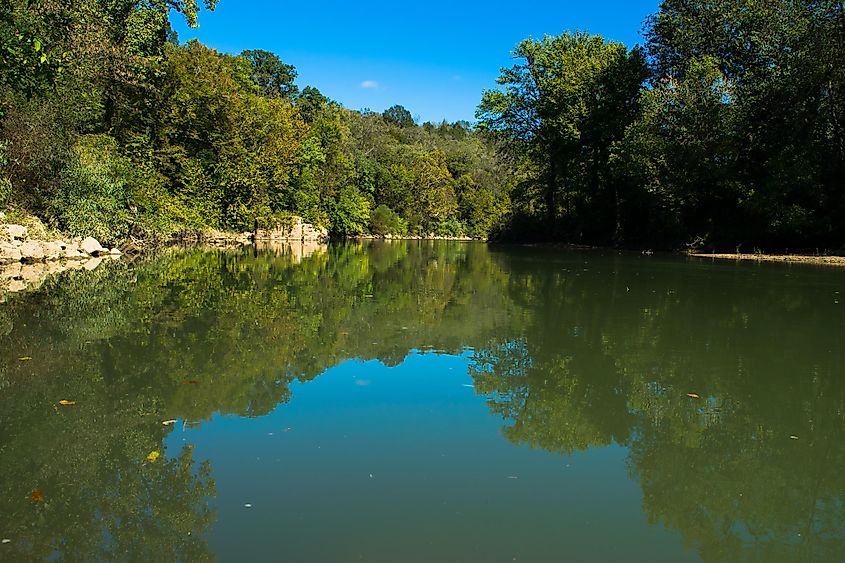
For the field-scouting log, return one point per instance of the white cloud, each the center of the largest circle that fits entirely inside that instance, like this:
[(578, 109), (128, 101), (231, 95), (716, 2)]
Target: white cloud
[(369, 85)]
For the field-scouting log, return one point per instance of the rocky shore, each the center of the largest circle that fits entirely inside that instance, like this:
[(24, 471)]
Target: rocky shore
[(26, 258), (16, 247)]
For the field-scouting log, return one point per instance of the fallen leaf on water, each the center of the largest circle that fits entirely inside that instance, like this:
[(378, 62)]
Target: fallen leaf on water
[(694, 395), (24, 358), (169, 422), (36, 496), (153, 456), (190, 382), (66, 403)]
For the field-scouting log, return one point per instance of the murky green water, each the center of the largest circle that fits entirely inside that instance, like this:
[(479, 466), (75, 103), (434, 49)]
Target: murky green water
[(424, 402)]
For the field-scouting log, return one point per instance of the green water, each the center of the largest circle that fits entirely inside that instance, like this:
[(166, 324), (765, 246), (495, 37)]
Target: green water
[(424, 402)]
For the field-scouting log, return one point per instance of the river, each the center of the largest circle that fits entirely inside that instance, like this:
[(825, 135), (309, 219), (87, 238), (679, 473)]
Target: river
[(424, 401)]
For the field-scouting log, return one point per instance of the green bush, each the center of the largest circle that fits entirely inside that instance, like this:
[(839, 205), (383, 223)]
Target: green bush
[(350, 213), (385, 221), (449, 228), (94, 199)]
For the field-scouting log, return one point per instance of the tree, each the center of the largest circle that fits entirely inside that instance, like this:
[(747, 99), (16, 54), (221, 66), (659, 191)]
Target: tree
[(399, 116), (273, 77), (565, 104)]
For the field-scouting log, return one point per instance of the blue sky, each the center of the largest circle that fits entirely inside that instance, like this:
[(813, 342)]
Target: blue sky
[(435, 58)]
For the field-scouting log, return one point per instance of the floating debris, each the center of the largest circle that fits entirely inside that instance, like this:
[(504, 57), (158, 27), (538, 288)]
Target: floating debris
[(24, 358), (168, 422), (793, 437), (66, 403), (247, 505), (36, 496), (693, 395)]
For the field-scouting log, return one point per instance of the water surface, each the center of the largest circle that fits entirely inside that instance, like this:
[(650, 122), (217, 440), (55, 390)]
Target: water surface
[(424, 401)]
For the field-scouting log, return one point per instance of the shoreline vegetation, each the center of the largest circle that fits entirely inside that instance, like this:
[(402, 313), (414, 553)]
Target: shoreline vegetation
[(726, 128)]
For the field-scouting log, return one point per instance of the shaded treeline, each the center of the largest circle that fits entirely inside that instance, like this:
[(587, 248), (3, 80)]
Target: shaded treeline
[(727, 128)]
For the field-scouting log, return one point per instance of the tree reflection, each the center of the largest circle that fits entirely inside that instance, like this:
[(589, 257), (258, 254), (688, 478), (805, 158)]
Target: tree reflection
[(185, 335), (725, 386)]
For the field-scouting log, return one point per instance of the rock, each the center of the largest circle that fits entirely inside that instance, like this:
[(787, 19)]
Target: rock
[(91, 246), (72, 252), (16, 286), (92, 264), (52, 250), (11, 272), (16, 231), (33, 274), (32, 251), (9, 253), (115, 252)]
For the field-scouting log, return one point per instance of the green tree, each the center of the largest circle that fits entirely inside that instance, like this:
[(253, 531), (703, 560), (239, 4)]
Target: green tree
[(399, 116), (271, 75), (566, 104)]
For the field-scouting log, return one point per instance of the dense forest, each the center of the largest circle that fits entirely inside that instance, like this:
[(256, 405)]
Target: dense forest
[(725, 129)]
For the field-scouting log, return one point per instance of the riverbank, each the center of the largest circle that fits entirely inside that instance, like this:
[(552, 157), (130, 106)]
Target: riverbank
[(782, 258)]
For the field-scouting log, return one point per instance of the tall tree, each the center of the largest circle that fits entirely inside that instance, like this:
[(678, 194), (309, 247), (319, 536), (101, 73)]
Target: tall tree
[(273, 77), (566, 103)]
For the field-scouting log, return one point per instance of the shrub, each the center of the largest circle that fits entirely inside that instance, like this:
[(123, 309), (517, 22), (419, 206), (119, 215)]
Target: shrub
[(385, 221), (95, 191), (350, 213), (449, 228)]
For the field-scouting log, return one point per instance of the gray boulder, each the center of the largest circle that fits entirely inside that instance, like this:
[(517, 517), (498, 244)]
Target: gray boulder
[(52, 250), (9, 253), (15, 231), (92, 247), (72, 252), (32, 251)]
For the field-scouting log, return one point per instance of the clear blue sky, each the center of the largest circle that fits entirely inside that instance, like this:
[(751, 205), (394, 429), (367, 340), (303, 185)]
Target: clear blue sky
[(434, 57)]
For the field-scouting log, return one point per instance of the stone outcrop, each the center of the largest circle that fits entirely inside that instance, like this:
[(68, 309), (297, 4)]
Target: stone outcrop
[(295, 230)]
